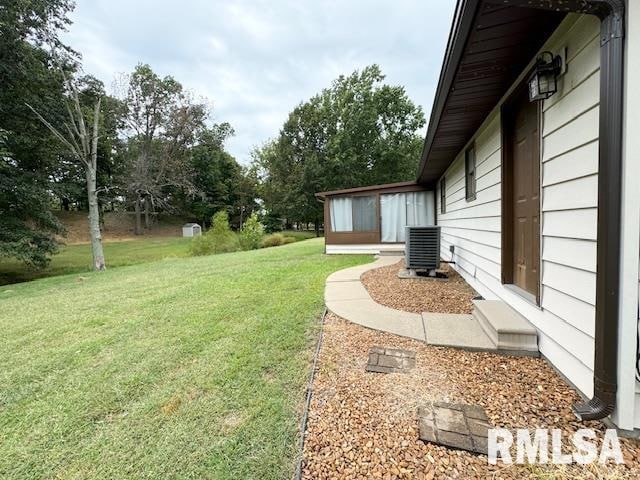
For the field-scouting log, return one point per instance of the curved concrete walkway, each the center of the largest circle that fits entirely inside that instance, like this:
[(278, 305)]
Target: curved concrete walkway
[(346, 296)]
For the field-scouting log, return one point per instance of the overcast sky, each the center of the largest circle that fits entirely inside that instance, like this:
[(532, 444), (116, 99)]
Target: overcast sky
[(256, 60)]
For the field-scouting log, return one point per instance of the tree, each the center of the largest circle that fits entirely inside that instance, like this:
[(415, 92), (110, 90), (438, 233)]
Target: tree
[(162, 125), (82, 144), (27, 226), (359, 131), (220, 181), (30, 154)]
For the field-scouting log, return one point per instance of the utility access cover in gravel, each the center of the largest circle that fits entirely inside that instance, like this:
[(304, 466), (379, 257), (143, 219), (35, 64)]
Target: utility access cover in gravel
[(390, 360), (455, 425)]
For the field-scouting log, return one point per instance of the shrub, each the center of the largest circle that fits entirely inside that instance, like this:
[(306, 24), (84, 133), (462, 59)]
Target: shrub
[(299, 234), (251, 233), (218, 239), (289, 240), (202, 245), (273, 240)]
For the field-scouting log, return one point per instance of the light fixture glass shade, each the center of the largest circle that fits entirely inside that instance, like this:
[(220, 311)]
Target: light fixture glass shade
[(544, 81)]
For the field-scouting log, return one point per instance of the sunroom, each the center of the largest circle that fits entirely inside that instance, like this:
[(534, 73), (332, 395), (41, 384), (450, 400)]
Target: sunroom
[(374, 218)]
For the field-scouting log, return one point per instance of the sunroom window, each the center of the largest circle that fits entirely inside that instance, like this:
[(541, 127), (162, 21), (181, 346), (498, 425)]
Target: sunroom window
[(354, 214), (399, 210)]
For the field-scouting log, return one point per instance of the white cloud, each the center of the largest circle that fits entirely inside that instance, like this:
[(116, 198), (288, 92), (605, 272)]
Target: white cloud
[(255, 60)]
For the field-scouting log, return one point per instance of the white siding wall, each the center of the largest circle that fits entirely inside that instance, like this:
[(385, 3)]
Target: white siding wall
[(565, 320)]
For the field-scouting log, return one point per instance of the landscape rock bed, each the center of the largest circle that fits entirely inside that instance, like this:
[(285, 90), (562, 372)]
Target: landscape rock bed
[(365, 425), (419, 294)]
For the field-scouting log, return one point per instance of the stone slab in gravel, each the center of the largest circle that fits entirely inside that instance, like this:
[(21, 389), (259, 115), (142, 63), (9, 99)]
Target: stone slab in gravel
[(455, 425), (364, 426), (390, 360)]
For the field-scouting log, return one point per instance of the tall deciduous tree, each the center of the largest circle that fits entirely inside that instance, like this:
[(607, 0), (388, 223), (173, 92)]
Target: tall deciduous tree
[(163, 123), (359, 131), (222, 183), (29, 152), (27, 225), (80, 137)]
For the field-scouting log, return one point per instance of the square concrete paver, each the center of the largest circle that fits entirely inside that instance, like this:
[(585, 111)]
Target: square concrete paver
[(455, 425), (390, 360)]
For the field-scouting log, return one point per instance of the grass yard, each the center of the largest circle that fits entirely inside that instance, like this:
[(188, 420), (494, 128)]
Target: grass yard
[(77, 258), (180, 368)]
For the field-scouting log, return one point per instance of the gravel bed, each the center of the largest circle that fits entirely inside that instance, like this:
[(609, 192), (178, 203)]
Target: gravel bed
[(363, 425), (421, 295)]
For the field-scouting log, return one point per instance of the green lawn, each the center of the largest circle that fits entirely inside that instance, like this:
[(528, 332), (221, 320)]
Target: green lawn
[(180, 368), (77, 258)]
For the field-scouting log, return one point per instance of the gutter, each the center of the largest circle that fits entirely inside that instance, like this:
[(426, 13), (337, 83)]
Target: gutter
[(605, 374)]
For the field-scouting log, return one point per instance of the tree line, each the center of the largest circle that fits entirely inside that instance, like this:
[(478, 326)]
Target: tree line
[(151, 147), (359, 131)]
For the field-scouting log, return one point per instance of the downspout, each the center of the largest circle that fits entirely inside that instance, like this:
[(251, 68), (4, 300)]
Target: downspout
[(605, 374)]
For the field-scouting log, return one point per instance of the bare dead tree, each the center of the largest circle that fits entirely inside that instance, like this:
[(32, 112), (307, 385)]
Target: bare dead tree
[(83, 146)]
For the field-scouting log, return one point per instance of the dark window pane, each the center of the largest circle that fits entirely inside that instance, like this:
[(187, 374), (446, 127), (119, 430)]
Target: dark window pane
[(470, 173), (364, 214)]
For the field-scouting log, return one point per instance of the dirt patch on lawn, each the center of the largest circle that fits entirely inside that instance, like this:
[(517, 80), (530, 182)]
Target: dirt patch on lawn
[(364, 425), (420, 295), (117, 227)]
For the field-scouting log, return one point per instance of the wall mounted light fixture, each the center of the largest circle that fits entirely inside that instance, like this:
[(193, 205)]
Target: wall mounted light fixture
[(544, 80)]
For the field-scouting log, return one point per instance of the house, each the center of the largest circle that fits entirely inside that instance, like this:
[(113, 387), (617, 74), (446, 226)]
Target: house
[(533, 158), (372, 219)]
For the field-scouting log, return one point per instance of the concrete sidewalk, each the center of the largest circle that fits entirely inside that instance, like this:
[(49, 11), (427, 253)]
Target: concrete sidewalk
[(345, 296)]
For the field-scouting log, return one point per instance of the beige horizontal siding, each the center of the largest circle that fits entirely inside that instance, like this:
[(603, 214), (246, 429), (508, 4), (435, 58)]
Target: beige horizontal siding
[(566, 317), (580, 162)]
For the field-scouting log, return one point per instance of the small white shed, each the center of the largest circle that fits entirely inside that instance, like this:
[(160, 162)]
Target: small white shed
[(191, 230)]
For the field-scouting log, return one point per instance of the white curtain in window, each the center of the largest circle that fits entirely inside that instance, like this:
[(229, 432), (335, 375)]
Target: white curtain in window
[(401, 209), (420, 208), (393, 210), (341, 214)]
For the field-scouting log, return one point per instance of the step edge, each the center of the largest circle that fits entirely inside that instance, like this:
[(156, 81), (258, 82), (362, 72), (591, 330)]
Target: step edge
[(518, 316)]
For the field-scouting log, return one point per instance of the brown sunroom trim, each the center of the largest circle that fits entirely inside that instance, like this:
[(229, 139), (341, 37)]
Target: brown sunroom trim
[(398, 186)]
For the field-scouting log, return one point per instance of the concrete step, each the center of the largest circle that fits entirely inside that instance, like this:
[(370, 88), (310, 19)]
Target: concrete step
[(391, 253), (456, 331), (506, 328)]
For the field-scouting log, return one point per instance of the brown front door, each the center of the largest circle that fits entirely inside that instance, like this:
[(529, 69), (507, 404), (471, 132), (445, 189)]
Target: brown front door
[(522, 193)]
